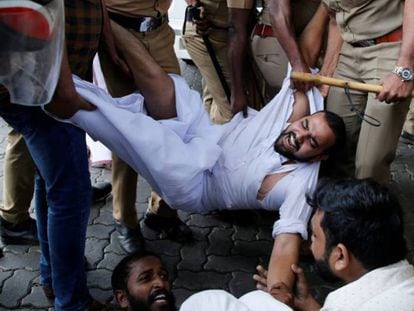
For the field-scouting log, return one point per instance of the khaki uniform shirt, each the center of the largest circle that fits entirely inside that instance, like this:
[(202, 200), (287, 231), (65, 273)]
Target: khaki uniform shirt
[(302, 12), (366, 19), (141, 7)]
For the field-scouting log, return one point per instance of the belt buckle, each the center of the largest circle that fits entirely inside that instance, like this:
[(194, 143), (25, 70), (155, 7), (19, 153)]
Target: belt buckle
[(366, 43), (146, 24)]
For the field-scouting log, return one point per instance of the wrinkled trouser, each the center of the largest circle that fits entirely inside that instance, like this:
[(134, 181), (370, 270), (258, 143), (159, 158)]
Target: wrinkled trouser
[(18, 183), (370, 149)]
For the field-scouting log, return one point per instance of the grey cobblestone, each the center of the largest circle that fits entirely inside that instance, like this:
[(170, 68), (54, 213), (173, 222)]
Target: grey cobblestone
[(16, 288), (193, 256), (220, 241), (196, 281), (241, 283), (228, 264)]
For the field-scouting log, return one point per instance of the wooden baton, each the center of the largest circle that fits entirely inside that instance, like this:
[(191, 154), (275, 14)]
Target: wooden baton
[(318, 79)]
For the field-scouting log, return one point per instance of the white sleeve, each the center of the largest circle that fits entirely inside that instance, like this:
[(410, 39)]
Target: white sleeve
[(217, 300), (294, 211)]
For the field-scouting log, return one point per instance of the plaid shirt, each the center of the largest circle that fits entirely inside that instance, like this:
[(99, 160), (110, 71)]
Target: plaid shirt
[(83, 30)]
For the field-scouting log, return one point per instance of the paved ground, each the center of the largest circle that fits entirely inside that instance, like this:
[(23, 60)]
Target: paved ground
[(225, 251)]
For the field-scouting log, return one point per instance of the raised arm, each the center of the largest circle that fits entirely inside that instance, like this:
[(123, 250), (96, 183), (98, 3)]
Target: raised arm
[(66, 101), (237, 53), (311, 38), (281, 18)]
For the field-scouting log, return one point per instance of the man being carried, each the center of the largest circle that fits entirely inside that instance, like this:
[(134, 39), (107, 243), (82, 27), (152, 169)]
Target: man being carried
[(266, 161)]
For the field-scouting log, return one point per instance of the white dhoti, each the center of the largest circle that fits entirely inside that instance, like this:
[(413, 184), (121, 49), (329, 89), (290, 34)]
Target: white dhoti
[(172, 155)]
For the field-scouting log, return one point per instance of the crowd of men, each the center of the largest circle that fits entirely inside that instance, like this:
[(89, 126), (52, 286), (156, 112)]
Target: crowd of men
[(266, 159)]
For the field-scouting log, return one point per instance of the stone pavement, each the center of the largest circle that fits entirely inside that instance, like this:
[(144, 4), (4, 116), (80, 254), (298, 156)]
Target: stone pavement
[(225, 251)]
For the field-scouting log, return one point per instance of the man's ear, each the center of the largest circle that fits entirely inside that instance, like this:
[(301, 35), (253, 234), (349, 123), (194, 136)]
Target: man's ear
[(121, 298), (340, 258)]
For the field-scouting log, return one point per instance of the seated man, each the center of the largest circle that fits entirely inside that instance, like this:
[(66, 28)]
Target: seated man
[(266, 161), (140, 282), (357, 236)]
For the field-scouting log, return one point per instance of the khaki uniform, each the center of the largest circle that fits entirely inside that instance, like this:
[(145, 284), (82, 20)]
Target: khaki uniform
[(18, 185), (135, 47), (214, 97), (267, 51), (370, 149), (409, 121)]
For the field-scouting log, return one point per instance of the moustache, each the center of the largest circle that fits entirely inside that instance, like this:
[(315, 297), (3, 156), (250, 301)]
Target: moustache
[(158, 294)]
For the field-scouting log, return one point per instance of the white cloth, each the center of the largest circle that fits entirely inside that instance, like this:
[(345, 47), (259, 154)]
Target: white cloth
[(220, 300), (384, 289), (197, 166), (99, 153)]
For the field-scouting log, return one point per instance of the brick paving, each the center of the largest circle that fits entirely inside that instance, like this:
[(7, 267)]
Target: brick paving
[(224, 253)]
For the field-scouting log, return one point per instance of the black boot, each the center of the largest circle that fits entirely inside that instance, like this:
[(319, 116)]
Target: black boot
[(170, 227), (101, 191), (20, 234), (131, 240)]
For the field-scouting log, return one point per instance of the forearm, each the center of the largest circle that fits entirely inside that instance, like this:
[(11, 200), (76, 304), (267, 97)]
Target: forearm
[(333, 48), (310, 41), (237, 52), (65, 89), (285, 253), (281, 19), (406, 58)]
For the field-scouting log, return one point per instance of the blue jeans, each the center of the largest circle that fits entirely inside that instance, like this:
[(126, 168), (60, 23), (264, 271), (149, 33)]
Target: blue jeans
[(62, 200)]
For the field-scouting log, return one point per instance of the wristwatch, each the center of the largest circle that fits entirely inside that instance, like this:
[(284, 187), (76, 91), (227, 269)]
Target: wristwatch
[(406, 74)]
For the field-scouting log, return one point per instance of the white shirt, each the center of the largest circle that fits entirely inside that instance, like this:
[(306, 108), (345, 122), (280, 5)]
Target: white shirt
[(220, 300), (197, 166), (389, 288)]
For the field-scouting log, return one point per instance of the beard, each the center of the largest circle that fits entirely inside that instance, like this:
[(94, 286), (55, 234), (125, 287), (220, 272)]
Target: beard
[(324, 271), (137, 304), (290, 154)]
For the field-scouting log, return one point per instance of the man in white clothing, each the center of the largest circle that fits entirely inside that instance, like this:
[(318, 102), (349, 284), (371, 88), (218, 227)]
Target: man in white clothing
[(266, 161), (357, 236)]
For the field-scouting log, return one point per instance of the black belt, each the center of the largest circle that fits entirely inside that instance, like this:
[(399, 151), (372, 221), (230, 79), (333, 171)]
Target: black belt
[(138, 23)]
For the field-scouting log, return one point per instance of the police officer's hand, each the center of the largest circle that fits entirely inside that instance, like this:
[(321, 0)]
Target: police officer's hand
[(203, 27), (65, 107), (394, 89), (297, 84), (238, 102)]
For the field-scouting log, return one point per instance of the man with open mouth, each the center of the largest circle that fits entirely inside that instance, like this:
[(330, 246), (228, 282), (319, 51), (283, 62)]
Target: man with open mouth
[(140, 282)]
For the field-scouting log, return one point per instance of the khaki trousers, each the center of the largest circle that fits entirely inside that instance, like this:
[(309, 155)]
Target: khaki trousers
[(18, 185), (214, 97), (409, 121), (370, 150), (136, 48)]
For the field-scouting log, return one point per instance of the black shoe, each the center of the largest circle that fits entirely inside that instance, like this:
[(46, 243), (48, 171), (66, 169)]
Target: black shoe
[(131, 240), (101, 191), (21, 234), (407, 138), (171, 227)]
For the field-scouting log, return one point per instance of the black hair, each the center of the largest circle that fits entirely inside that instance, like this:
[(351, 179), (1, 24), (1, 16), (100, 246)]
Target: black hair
[(337, 125), (364, 216), (120, 275)]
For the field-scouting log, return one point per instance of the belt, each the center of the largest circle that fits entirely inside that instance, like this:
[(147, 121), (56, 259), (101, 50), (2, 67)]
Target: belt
[(262, 30), (138, 23), (393, 36)]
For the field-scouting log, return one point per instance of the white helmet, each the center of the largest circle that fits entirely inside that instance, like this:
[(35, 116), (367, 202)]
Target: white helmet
[(31, 52)]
